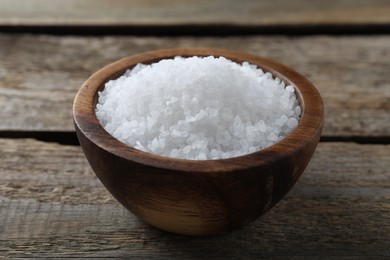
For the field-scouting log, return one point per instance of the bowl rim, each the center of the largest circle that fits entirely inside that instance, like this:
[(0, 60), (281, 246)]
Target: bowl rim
[(309, 126)]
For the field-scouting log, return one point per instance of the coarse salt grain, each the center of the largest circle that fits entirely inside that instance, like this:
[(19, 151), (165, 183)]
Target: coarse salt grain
[(198, 108)]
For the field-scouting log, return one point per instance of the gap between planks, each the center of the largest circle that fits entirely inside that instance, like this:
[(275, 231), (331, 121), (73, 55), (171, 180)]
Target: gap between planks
[(219, 30), (70, 138)]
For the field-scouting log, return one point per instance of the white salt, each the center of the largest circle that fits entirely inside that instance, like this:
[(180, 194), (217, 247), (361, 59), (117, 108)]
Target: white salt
[(198, 108)]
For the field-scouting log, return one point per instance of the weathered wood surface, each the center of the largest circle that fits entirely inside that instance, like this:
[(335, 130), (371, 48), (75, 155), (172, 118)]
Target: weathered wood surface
[(40, 75), (52, 205), (194, 12)]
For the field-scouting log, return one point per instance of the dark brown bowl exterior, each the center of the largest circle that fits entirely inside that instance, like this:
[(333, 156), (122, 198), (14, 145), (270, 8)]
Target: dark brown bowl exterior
[(197, 197)]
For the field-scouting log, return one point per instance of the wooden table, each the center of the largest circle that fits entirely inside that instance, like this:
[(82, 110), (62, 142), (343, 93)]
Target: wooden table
[(51, 203)]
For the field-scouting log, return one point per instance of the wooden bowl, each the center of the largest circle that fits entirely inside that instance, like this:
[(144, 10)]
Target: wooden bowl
[(197, 197)]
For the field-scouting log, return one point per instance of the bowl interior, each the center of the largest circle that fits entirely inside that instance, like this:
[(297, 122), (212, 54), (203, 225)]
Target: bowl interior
[(310, 123)]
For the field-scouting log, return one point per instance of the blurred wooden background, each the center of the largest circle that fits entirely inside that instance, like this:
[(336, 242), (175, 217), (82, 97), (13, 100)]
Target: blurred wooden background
[(52, 205)]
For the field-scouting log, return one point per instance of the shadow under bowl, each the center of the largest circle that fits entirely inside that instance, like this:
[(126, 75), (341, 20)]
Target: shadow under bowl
[(198, 197)]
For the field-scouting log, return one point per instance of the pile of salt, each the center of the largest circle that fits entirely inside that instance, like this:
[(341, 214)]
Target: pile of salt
[(198, 108)]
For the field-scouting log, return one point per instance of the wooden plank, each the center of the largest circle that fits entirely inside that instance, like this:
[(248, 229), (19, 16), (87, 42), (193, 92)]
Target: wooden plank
[(48, 172), (51, 205), (38, 84), (194, 12)]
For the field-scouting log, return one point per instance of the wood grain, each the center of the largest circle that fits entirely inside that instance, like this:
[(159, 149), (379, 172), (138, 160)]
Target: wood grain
[(38, 84), (339, 208), (53, 206), (193, 12), (53, 173)]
